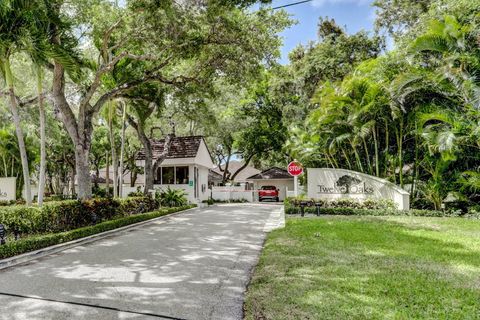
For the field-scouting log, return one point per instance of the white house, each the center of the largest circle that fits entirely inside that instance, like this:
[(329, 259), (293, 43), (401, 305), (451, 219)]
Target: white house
[(186, 167)]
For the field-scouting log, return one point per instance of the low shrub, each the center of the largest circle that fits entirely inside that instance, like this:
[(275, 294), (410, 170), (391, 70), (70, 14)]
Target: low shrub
[(369, 207), (138, 193), (372, 204), (171, 197), (135, 205), (4, 203), (70, 214), (230, 201), (209, 201), (38, 242)]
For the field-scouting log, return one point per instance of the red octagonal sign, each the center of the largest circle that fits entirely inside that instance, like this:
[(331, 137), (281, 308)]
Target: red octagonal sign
[(295, 168)]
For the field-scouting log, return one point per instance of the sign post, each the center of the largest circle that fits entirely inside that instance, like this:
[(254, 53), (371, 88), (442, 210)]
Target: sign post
[(295, 169)]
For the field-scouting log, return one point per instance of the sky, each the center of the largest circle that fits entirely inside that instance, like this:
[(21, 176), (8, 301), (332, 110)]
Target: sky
[(355, 15)]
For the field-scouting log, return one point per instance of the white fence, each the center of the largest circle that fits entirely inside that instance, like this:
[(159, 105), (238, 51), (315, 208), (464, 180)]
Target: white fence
[(233, 193)]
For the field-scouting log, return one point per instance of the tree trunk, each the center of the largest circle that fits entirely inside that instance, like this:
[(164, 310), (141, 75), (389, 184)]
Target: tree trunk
[(225, 171), (19, 131), (166, 150), (149, 173), (387, 147), (122, 148), (415, 165), (367, 155), (247, 161), (84, 181), (375, 142), (107, 175), (80, 132), (347, 159), (111, 110), (133, 178), (43, 153), (357, 157), (148, 167), (72, 182), (400, 152), (332, 160), (114, 166)]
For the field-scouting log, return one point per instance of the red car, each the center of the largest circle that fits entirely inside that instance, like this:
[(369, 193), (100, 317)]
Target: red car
[(268, 192)]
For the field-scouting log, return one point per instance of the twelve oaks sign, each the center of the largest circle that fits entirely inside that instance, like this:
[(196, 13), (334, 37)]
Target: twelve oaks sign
[(7, 189), (341, 183)]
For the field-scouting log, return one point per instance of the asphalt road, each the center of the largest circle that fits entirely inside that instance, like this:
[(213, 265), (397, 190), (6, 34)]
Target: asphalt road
[(194, 265)]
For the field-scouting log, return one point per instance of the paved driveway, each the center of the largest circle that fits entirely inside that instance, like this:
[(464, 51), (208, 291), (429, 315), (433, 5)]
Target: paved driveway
[(194, 265)]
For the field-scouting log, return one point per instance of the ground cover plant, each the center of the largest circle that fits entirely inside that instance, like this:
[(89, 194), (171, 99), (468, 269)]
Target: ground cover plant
[(337, 267)]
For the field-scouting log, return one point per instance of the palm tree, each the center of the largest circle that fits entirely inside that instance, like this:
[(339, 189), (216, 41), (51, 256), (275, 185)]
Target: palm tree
[(43, 151), (22, 28), (449, 45), (122, 147), (110, 116)]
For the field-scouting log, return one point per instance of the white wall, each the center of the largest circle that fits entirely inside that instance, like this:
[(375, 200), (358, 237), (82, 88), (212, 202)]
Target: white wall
[(203, 157), (8, 189), (321, 185), (232, 193)]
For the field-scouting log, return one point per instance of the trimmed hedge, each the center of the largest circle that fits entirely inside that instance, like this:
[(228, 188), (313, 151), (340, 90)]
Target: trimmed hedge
[(371, 208), (367, 212), (70, 214), (13, 248)]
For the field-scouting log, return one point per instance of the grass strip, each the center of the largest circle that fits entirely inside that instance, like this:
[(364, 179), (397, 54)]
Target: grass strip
[(363, 267)]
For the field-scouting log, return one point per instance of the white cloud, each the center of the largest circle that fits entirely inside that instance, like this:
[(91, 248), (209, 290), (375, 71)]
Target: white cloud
[(321, 3)]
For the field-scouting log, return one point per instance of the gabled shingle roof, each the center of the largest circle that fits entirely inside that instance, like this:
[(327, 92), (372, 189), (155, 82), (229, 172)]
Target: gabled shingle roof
[(181, 147), (214, 176), (272, 173)]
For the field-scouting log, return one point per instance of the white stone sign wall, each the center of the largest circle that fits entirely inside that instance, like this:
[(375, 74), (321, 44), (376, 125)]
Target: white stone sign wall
[(340, 183), (8, 189)]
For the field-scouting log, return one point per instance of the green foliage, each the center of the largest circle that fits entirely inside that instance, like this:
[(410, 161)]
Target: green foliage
[(13, 248), (209, 201), (398, 17), (212, 201), (66, 215), (369, 207), (171, 197), (410, 117)]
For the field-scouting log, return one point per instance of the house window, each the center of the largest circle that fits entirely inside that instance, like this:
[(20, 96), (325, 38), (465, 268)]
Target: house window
[(181, 175), (158, 178), (168, 175)]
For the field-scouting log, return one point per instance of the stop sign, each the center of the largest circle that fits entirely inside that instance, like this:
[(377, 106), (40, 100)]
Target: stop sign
[(295, 168)]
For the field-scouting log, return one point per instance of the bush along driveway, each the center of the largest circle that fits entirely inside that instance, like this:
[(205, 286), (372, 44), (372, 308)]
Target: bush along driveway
[(32, 228)]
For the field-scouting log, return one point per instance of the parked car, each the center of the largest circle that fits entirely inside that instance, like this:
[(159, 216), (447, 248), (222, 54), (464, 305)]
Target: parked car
[(268, 192)]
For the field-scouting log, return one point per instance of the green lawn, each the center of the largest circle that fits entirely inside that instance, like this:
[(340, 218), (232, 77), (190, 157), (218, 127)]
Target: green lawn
[(368, 268)]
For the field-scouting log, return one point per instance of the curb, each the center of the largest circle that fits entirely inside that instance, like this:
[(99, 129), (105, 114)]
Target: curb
[(40, 253), (276, 220)]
